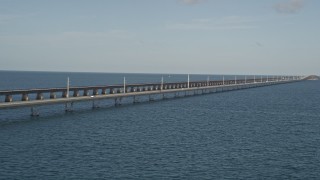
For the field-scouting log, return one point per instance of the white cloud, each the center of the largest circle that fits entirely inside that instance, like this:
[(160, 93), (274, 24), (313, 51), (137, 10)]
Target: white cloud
[(7, 17), (291, 6), (191, 2), (120, 34), (69, 39), (229, 22)]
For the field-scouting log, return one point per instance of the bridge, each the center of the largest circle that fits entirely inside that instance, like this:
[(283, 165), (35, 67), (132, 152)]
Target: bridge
[(69, 95), (313, 77)]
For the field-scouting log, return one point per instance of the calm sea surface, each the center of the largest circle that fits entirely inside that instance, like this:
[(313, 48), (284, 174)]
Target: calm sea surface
[(263, 133)]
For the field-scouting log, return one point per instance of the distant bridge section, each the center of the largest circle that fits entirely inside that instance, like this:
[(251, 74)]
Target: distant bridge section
[(312, 77)]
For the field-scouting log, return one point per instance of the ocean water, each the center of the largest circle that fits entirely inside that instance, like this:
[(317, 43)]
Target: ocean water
[(263, 133)]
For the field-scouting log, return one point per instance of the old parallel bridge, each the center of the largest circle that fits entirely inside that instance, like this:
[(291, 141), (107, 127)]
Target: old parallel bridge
[(69, 95)]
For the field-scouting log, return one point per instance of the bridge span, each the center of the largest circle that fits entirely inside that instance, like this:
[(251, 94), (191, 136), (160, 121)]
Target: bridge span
[(69, 95)]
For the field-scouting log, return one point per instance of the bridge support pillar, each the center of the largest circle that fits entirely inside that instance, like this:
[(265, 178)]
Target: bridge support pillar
[(135, 99), (8, 98), (39, 96), (52, 95), (86, 92), (75, 93), (64, 94), (104, 91), (151, 98), (95, 92), (24, 97), (117, 101), (34, 112), (95, 105), (69, 107)]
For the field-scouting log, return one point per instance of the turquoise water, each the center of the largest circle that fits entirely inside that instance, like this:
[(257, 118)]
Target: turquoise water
[(263, 133)]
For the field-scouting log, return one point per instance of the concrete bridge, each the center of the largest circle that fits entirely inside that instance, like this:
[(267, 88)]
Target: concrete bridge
[(313, 77), (69, 95)]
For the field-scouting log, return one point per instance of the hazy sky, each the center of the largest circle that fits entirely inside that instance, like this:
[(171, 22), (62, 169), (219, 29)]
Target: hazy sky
[(161, 36)]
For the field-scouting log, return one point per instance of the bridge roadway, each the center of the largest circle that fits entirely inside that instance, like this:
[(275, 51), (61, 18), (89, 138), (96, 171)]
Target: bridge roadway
[(133, 90)]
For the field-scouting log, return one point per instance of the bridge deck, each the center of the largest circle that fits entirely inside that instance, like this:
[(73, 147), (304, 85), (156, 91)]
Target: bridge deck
[(31, 103)]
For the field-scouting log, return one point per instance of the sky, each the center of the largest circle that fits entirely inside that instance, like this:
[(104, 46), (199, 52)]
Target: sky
[(161, 36)]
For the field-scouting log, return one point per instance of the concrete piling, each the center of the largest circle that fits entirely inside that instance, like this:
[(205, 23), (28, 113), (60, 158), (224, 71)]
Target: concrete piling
[(86, 92), (25, 97), (39, 96), (8, 98), (76, 93), (53, 95)]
